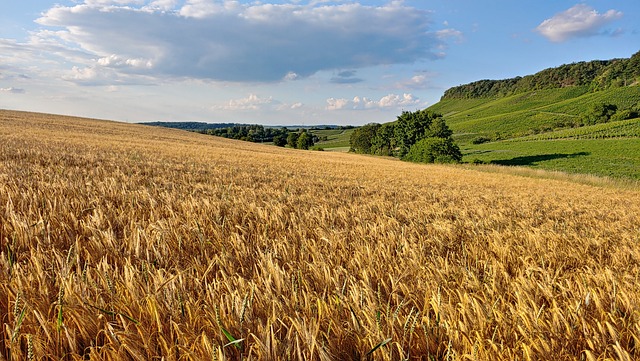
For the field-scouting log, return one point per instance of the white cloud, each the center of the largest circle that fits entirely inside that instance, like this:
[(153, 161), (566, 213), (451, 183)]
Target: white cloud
[(446, 34), (578, 21), (337, 104), (291, 76), (240, 42), (116, 61), (387, 101), (254, 102), (251, 102), (12, 90), (418, 81), (394, 100)]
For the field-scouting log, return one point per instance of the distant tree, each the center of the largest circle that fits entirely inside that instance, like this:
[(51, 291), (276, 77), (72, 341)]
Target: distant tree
[(362, 138), (280, 140), (599, 113), (304, 141), (292, 139)]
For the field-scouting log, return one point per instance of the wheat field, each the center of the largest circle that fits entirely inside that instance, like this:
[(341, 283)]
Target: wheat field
[(126, 242)]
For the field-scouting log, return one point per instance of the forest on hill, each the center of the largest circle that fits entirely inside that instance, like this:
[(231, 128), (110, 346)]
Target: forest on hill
[(597, 75)]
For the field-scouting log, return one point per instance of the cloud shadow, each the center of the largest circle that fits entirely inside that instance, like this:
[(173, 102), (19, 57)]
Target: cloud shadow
[(534, 159)]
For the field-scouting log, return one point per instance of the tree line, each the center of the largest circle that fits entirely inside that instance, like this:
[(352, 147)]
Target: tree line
[(420, 136), (298, 138), (597, 75)]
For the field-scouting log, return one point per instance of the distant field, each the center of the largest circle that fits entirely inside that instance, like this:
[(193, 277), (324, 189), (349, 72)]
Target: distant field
[(128, 242), (534, 126), (620, 129), (337, 139), (518, 115), (619, 158)]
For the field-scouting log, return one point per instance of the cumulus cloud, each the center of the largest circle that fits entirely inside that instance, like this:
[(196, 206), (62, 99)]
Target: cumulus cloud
[(578, 21), (251, 102), (337, 103), (242, 42), (387, 101), (256, 102)]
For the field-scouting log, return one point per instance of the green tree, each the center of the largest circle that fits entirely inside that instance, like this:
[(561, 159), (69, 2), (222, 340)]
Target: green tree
[(280, 140), (434, 150), (439, 129), (362, 138), (305, 140), (292, 139), (599, 113), (384, 142), (411, 127)]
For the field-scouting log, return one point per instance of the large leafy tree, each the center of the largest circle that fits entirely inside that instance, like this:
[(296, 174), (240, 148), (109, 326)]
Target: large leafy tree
[(421, 136), (434, 150), (384, 142), (411, 127), (362, 138)]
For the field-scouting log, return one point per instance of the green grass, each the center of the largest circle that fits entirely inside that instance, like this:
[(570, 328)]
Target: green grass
[(535, 123), (621, 129), (618, 158), (525, 113), (337, 139)]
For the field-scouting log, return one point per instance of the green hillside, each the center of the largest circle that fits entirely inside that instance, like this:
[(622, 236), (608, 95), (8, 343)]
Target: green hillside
[(529, 112), (552, 119), (333, 139)]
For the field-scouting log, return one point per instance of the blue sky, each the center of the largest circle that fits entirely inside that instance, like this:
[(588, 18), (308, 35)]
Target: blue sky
[(287, 61)]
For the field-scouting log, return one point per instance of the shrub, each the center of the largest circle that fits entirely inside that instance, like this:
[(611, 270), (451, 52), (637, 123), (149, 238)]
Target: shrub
[(480, 140), (434, 150)]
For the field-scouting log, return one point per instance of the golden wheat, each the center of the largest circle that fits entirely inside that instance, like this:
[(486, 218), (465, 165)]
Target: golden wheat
[(129, 242)]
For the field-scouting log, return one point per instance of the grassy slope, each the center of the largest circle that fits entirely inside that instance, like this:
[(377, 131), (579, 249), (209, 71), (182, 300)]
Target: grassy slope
[(517, 117), (337, 139), (619, 158), (129, 242)]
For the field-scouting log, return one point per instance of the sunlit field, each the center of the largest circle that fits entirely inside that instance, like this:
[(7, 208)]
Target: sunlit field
[(129, 242)]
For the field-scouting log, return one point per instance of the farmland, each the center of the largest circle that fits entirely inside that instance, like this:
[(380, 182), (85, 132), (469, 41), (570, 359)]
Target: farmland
[(122, 241), (333, 139), (537, 129)]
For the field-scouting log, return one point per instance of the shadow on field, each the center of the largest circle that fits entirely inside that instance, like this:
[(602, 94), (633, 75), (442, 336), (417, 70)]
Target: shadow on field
[(534, 159)]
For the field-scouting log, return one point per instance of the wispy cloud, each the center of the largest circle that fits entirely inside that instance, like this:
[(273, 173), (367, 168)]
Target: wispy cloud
[(418, 81), (579, 21), (238, 42)]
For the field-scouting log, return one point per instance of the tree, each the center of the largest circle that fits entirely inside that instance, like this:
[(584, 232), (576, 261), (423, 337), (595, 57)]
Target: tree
[(411, 127), (384, 142), (362, 138), (434, 150), (280, 140), (599, 113), (292, 139), (305, 140), (439, 129)]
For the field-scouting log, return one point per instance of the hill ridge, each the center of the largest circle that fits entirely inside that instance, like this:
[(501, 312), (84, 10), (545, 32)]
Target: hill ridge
[(596, 74)]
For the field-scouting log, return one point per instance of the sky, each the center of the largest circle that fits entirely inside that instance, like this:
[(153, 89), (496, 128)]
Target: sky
[(286, 62)]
